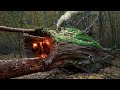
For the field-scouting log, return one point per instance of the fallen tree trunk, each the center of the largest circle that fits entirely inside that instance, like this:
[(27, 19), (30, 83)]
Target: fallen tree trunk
[(62, 54), (14, 68)]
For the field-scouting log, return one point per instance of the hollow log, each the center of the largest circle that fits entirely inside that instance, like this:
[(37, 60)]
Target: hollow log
[(62, 54)]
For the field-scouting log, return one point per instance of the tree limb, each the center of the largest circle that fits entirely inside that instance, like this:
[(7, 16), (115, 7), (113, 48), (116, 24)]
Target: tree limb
[(11, 29), (88, 28)]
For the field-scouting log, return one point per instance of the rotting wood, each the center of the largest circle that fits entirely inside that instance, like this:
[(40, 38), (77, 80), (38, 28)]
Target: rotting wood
[(61, 55), (11, 29)]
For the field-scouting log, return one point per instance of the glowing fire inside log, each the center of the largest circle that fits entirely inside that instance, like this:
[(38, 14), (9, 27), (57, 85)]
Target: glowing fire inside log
[(47, 42), (42, 48), (35, 45), (43, 55)]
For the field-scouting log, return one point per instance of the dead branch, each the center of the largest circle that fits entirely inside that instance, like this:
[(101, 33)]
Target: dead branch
[(11, 29), (31, 36), (88, 28)]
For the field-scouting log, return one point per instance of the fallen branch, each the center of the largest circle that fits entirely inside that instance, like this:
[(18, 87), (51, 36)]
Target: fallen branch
[(11, 29), (91, 25)]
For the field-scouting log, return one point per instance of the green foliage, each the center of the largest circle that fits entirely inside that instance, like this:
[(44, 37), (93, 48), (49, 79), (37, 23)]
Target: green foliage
[(115, 47), (76, 36)]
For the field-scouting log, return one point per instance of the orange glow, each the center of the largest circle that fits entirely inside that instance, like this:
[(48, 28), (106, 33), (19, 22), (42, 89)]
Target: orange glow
[(42, 47), (34, 45), (43, 55), (41, 44), (47, 42)]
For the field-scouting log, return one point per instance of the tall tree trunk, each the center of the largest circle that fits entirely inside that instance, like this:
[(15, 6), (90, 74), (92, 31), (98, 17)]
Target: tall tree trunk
[(112, 30), (101, 34), (14, 51), (20, 40), (20, 45)]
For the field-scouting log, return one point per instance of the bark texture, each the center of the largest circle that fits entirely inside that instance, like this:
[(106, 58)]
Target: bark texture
[(61, 54)]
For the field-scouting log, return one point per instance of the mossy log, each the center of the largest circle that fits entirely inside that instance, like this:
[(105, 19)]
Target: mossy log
[(62, 54)]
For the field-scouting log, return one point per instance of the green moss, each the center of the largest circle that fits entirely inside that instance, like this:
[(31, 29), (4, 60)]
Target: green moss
[(75, 36)]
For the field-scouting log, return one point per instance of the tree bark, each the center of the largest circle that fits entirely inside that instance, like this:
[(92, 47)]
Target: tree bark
[(14, 68), (112, 30), (61, 54), (11, 29)]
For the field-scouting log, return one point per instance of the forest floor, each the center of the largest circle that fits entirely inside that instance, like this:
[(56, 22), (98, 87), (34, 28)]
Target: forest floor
[(112, 72)]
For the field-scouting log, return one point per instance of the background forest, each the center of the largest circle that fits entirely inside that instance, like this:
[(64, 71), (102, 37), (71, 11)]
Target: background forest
[(106, 29)]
